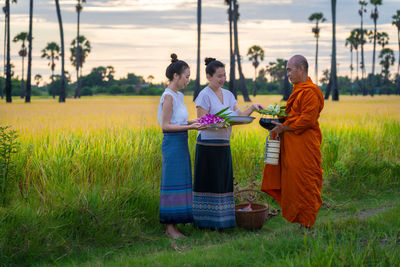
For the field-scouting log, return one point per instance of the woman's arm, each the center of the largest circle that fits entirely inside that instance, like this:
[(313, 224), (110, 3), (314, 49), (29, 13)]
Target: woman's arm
[(166, 118), (247, 112)]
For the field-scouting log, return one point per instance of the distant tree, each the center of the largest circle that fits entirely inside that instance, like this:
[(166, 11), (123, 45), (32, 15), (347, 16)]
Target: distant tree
[(150, 79), (38, 79), (276, 70), (77, 52), (318, 18), (29, 74), (387, 59), (361, 12), (197, 83), (242, 82), (52, 53), (325, 76), (351, 41), (232, 72), (256, 54), (110, 73), (63, 78), (7, 48), (84, 47), (396, 22), (382, 39), (374, 17), (333, 84), (22, 37)]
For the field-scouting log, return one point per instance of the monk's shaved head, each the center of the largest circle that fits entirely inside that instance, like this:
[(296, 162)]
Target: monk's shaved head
[(297, 69), (300, 61)]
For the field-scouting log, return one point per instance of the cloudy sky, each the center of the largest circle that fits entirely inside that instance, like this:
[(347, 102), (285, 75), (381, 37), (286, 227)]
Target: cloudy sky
[(139, 35)]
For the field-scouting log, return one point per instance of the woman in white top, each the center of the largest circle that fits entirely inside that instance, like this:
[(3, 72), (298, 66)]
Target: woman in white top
[(176, 177), (213, 200)]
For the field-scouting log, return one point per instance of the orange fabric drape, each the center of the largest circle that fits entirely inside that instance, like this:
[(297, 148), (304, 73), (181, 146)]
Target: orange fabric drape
[(297, 181)]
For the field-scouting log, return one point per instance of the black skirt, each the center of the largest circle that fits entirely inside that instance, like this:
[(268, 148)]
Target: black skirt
[(213, 200)]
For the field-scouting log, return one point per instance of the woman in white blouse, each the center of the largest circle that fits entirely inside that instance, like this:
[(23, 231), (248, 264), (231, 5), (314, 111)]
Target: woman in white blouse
[(213, 200), (176, 177)]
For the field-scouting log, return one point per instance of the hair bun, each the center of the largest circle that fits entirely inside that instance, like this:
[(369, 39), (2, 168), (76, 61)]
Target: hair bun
[(208, 60), (174, 58)]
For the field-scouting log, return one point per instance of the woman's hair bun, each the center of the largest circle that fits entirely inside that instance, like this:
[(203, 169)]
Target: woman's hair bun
[(174, 58), (208, 60)]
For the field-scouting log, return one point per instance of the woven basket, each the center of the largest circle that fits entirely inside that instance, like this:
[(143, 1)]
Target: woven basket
[(253, 219)]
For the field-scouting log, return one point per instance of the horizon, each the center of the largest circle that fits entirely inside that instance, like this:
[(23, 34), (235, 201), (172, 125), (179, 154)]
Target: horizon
[(141, 35)]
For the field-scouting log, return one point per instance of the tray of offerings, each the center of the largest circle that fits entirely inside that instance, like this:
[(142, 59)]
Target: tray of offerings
[(240, 119)]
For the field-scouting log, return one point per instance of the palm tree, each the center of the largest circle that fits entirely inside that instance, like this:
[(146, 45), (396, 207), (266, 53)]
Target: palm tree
[(38, 79), (52, 53), (77, 51), (319, 18), (22, 37), (28, 78), (232, 74), (333, 85), (396, 22), (8, 65), (84, 46), (361, 12), (351, 41), (62, 89), (255, 52), (374, 16), (242, 82), (197, 83), (382, 38), (387, 59)]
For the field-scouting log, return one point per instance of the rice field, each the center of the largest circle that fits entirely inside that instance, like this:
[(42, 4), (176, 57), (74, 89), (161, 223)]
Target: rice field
[(88, 171)]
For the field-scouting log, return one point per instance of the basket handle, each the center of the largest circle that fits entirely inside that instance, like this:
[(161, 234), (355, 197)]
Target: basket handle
[(249, 190)]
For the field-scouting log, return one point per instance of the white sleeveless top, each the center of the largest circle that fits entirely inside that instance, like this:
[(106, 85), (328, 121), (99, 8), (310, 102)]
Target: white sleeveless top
[(180, 115), (209, 101)]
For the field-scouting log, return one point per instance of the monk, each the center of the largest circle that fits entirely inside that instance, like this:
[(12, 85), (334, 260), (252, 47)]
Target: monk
[(297, 181)]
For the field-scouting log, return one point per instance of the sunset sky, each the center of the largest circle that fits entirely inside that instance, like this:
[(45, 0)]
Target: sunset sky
[(138, 36)]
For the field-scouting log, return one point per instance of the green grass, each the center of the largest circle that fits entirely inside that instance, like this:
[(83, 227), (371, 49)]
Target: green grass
[(92, 197)]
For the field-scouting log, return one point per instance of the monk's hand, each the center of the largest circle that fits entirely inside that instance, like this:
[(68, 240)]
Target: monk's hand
[(279, 127)]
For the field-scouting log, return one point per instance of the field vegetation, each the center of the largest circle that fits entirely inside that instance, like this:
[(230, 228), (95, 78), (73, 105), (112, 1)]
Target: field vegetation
[(85, 189)]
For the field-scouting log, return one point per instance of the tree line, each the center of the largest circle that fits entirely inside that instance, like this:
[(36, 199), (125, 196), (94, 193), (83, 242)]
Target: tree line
[(101, 79), (80, 48)]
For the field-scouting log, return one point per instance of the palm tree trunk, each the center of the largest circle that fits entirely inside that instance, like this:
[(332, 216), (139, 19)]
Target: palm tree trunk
[(28, 78), (53, 90), (8, 71), (197, 84), (332, 85), (4, 54), (62, 89), (316, 62), (255, 82), (398, 65), (242, 82), (232, 74), (357, 62), (373, 52), (77, 60), (351, 62), (362, 58), (22, 93)]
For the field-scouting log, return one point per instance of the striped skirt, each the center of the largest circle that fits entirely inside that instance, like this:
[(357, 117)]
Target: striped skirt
[(176, 179), (213, 200)]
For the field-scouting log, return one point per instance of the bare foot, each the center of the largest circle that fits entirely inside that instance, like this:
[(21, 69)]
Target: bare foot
[(172, 232)]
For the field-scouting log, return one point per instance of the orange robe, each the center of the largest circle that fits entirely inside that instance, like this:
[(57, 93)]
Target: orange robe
[(297, 181)]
